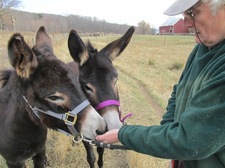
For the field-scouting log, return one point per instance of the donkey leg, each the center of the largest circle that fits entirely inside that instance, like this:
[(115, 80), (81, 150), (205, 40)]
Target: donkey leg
[(90, 154), (40, 159), (16, 165), (100, 156)]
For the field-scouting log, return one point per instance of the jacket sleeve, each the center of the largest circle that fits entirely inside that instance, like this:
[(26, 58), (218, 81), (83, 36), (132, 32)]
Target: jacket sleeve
[(198, 134)]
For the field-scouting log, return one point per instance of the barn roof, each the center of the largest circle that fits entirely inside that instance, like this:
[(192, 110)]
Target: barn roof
[(171, 21)]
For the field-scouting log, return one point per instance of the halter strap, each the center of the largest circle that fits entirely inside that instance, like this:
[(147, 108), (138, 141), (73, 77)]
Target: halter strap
[(112, 102), (69, 118), (107, 103)]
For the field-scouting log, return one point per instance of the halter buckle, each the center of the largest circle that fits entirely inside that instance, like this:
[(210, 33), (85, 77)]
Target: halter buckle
[(70, 119)]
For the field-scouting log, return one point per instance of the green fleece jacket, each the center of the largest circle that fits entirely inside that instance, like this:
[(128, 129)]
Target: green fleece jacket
[(193, 128)]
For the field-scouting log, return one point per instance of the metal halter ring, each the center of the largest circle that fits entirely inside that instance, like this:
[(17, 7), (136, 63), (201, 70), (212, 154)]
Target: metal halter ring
[(78, 139)]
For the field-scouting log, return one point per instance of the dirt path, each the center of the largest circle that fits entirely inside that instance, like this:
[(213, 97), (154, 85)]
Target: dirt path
[(146, 93)]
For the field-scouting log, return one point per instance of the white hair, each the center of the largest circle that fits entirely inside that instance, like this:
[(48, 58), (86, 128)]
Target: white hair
[(214, 4)]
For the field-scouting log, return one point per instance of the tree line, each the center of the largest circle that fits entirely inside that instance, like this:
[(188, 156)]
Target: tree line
[(15, 20)]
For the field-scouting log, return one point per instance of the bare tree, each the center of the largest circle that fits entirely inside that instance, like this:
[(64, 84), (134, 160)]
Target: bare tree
[(5, 5), (144, 28)]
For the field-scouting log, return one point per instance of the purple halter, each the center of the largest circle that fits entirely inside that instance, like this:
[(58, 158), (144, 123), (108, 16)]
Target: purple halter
[(109, 103)]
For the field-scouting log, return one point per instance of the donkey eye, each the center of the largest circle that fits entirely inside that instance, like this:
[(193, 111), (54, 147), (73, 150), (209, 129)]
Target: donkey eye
[(53, 98), (87, 88), (58, 98)]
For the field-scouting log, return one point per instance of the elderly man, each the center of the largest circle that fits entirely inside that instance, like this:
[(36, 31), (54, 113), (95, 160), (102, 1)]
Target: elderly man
[(192, 131)]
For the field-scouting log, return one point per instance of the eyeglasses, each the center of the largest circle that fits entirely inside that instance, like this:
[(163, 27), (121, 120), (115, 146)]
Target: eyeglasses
[(190, 13)]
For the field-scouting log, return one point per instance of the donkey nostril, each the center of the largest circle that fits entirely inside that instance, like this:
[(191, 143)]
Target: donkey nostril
[(100, 132)]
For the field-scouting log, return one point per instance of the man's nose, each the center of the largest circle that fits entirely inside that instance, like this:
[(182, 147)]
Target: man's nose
[(188, 22)]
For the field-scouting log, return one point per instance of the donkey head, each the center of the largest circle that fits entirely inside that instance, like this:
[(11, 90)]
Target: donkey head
[(97, 74), (48, 85)]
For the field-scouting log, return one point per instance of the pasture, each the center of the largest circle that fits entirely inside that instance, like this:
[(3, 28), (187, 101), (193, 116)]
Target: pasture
[(148, 69)]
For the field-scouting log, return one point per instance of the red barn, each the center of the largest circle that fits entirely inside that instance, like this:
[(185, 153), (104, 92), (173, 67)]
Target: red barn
[(173, 26)]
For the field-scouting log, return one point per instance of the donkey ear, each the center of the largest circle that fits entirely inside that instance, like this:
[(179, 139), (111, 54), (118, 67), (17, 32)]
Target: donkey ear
[(115, 48), (21, 56), (43, 44), (77, 48)]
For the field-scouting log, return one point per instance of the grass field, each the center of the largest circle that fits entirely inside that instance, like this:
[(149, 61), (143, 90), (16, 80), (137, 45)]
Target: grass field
[(148, 69)]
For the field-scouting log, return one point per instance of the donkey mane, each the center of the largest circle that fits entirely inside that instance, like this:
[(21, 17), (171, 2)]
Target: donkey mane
[(91, 48), (4, 77)]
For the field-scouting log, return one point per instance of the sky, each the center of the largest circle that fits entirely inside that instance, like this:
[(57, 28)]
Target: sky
[(129, 12)]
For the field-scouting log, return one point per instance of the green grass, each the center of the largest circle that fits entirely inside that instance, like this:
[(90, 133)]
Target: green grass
[(148, 68)]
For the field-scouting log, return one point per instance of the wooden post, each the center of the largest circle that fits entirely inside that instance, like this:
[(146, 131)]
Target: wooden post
[(13, 23)]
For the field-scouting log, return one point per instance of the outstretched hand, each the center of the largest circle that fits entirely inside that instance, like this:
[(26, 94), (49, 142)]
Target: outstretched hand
[(109, 137)]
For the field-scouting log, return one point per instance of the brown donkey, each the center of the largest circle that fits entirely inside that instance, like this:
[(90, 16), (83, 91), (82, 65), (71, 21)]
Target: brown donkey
[(40, 93), (98, 78)]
